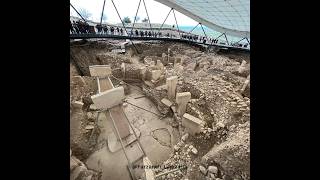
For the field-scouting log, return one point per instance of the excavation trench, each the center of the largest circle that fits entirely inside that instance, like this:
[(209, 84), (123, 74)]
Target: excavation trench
[(212, 81)]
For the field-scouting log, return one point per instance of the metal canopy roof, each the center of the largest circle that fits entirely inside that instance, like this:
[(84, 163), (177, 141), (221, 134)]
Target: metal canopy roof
[(226, 16)]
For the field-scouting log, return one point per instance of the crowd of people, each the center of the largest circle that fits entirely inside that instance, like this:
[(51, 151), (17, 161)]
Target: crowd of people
[(82, 27)]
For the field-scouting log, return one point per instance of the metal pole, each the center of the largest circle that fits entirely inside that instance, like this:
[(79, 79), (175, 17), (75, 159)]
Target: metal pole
[(204, 32), (248, 40), (124, 26), (102, 11), (123, 148), (165, 19), (78, 13), (147, 15), (194, 28), (135, 16), (240, 40), (174, 14), (135, 134), (219, 36), (226, 38)]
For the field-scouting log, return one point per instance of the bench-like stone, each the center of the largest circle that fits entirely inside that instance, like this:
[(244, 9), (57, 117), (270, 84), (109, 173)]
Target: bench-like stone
[(100, 70), (109, 98), (192, 124)]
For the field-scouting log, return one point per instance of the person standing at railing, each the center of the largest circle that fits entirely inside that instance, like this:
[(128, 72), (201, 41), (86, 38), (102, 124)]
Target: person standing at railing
[(99, 28), (112, 30), (71, 28), (75, 27), (137, 33), (105, 29), (121, 31), (117, 30)]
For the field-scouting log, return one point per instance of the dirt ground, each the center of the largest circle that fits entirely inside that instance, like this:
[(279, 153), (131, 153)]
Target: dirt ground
[(215, 82)]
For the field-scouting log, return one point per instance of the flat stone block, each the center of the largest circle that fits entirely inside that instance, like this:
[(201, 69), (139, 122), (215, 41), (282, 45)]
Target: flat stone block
[(162, 87), (166, 102), (100, 70), (77, 104), (183, 97), (109, 98), (192, 124), (155, 74)]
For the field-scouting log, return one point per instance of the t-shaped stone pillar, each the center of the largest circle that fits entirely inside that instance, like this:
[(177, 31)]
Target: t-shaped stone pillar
[(172, 85), (110, 98), (102, 72), (182, 100)]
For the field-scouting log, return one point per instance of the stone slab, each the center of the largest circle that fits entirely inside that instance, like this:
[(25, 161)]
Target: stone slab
[(114, 144), (120, 120), (192, 124), (100, 70), (109, 98), (166, 102)]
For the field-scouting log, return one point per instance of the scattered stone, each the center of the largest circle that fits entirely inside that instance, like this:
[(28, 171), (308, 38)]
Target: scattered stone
[(166, 102), (212, 176), (220, 125), (203, 170), (194, 151), (90, 115), (213, 169), (185, 137), (176, 148), (89, 127), (77, 104), (192, 123)]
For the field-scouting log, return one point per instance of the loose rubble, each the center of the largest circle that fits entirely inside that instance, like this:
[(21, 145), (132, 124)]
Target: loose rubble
[(206, 96)]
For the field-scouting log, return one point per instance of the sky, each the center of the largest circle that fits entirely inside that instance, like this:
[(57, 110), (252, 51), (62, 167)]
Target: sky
[(157, 11)]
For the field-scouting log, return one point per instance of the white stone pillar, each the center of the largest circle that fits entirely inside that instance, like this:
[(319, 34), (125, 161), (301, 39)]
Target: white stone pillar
[(242, 66), (172, 85), (182, 100)]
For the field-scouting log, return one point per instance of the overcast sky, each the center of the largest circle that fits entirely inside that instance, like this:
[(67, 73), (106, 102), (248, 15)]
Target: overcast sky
[(157, 11)]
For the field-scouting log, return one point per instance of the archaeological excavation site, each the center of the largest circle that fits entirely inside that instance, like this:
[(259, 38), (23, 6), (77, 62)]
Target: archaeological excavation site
[(157, 110)]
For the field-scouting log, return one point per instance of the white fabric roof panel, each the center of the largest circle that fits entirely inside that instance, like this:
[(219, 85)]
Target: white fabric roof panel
[(229, 16)]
